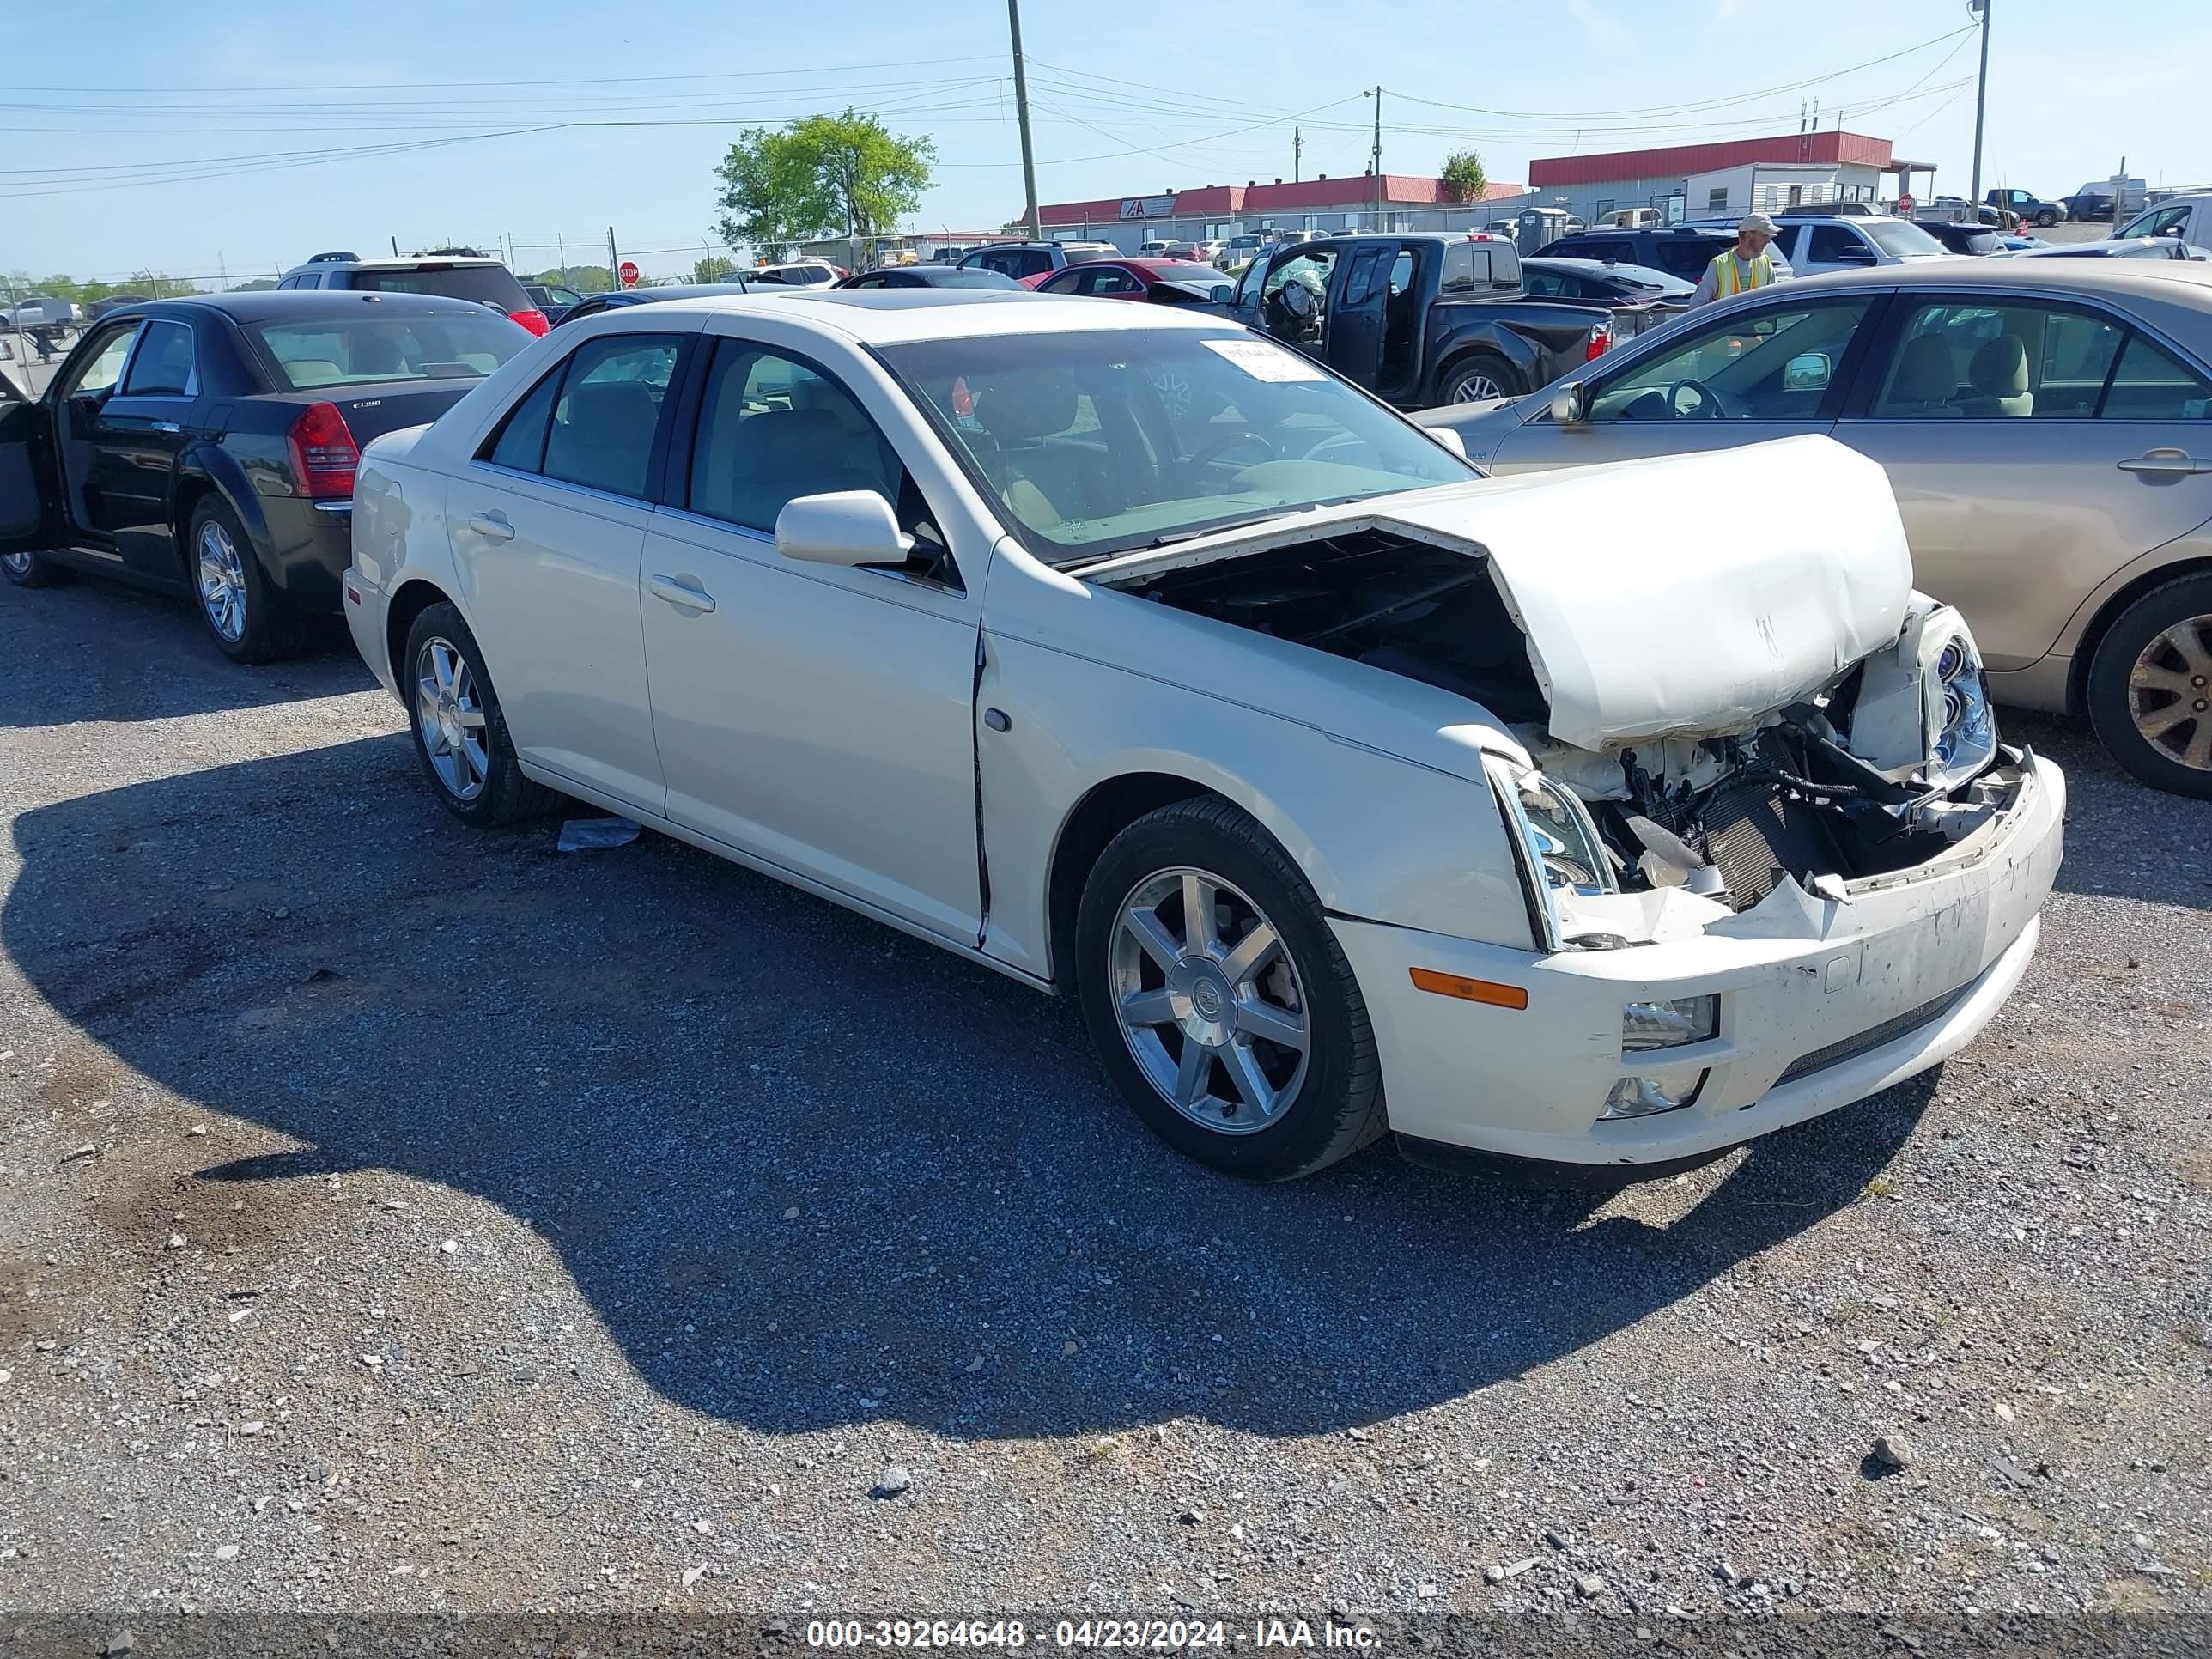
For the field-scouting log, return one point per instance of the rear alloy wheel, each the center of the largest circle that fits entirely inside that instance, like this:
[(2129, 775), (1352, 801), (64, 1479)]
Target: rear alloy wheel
[(460, 735), (1220, 1001), (1479, 378), (2150, 687), (249, 619), (29, 569)]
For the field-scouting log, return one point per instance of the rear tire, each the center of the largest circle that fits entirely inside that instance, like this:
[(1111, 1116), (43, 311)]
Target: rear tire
[(1476, 377), (1182, 1020), (460, 733), (30, 569), (2150, 688), (248, 619)]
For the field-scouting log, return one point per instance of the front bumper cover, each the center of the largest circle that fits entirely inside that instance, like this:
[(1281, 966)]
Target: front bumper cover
[(1823, 1002)]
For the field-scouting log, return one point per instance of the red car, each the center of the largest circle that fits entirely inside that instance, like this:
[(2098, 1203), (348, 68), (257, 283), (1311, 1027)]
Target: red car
[(1164, 282)]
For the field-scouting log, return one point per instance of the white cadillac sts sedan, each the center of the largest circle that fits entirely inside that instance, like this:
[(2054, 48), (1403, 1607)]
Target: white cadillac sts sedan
[(1133, 656)]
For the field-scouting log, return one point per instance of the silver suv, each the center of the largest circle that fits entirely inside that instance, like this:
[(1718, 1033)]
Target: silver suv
[(459, 273)]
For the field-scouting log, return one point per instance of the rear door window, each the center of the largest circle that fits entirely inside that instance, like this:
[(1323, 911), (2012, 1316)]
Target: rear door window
[(1982, 362), (162, 365), (603, 424)]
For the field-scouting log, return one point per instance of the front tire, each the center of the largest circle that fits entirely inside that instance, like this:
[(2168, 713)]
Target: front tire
[(250, 621), (1219, 1000), (29, 569), (1478, 377), (460, 733), (2047, 218), (2150, 687)]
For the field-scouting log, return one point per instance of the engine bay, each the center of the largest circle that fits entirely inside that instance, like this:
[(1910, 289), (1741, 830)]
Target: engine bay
[(1867, 778)]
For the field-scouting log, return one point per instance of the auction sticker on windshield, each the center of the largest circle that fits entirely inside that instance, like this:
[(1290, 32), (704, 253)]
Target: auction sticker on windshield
[(1263, 362)]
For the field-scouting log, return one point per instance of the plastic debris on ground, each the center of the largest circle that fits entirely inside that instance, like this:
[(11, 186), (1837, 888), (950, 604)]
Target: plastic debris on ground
[(595, 835)]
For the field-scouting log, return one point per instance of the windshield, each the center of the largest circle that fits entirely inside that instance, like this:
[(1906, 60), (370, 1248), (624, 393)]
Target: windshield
[(344, 352), (1095, 444), (1899, 239)]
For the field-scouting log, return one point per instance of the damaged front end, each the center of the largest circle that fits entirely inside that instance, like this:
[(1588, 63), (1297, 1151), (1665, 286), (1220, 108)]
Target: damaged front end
[(1893, 769)]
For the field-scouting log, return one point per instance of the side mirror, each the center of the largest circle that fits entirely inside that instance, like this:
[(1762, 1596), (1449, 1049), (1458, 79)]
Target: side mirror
[(1449, 439), (1571, 403), (847, 527), (1810, 373), (1223, 294)]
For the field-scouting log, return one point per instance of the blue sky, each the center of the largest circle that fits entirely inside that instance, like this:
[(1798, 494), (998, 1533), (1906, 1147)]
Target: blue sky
[(189, 138)]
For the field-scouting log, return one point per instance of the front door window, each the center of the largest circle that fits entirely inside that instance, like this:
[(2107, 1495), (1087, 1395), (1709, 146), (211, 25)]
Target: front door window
[(1775, 365), (104, 367)]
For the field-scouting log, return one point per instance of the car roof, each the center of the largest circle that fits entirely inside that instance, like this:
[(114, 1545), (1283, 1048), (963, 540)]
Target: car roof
[(895, 316), (273, 305), (2146, 278), (405, 262), (671, 291)]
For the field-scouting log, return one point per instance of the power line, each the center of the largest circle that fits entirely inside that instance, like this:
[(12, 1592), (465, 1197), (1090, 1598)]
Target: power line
[(1572, 115), (572, 81)]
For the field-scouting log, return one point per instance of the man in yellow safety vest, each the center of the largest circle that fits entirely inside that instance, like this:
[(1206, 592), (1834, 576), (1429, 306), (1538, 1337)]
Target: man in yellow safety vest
[(1745, 265)]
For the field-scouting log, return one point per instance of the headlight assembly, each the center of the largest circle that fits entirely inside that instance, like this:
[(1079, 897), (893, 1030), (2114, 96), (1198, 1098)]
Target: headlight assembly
[(1961, 727), (1558, 843)]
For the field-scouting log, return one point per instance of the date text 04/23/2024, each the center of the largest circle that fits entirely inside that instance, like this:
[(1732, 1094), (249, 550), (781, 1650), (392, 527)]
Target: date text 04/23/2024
[(1123, 1635)]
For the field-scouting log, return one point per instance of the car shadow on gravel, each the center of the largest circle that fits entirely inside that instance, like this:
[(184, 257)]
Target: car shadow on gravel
[(105, 652), (2123, 839), (806, 1171)]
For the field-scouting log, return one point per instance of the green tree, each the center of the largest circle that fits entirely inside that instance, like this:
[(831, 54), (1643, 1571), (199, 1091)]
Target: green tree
[(713, 269), (585, 279), (827, 175), (258, 285), (1463, 176)]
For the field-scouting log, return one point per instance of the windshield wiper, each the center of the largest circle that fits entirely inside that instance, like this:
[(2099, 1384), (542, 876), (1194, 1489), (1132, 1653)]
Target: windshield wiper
[(1173, 536)]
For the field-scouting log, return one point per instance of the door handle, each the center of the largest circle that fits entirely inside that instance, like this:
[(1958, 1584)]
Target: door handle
[(166, 426), (492, 527), (2174, 463), (682, 595)]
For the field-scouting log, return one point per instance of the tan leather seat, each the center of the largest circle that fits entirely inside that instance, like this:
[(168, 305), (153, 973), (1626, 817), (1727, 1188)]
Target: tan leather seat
[(1998, 375), (1926, 381), (1043, 483)]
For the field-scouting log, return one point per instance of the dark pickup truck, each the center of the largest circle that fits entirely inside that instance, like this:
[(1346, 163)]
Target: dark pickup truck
[(1419, 320)]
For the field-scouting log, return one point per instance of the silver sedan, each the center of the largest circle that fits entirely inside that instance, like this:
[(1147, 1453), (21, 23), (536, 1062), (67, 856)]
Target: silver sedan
[(2046, 425)]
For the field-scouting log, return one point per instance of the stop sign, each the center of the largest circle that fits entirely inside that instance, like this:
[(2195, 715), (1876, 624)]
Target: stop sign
[(1905, 206), (630, 273)]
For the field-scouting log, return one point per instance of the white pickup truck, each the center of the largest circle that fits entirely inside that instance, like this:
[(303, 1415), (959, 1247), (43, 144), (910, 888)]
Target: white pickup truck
[(38, 310)]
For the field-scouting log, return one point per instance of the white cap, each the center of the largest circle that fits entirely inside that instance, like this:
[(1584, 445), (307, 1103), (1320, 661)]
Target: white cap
[(1756, 221)]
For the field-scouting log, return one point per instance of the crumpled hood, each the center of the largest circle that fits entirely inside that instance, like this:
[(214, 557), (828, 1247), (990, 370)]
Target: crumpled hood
[(1685, 596)]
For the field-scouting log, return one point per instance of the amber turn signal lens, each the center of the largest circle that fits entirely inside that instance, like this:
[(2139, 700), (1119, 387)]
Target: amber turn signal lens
[(1470, 990)]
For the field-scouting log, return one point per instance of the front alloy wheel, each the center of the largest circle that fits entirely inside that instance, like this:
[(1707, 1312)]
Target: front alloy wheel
[(449, 717), (1208, 1002), (1219, 998)]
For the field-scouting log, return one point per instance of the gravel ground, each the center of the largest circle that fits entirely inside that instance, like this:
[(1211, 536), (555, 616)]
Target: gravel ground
[(394, 1218)]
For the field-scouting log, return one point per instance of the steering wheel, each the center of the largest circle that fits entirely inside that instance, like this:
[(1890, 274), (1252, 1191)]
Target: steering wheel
[(1707, 408), (1206, 452)]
